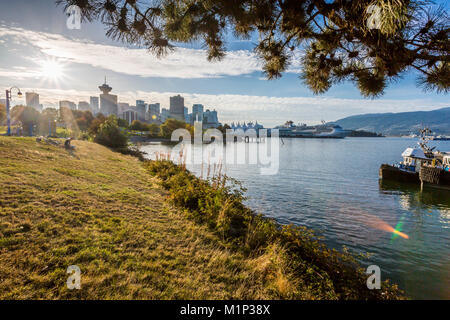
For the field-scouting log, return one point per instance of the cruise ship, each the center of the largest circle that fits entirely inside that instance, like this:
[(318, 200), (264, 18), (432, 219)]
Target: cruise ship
[(324, 130)]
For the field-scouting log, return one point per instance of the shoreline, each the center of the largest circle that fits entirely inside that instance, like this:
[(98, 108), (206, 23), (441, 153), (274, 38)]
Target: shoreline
[(175, 235)]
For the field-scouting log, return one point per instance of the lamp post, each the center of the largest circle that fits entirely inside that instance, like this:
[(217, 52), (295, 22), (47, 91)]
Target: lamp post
[(8, 115)]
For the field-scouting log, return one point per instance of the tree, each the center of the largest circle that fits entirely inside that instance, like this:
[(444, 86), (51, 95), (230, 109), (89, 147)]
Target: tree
[(47, 123), (171, 125), (2, 113), (224, 128), (110, 135), (154, 130), (122, 123), (368, 42), (28, 116), (137, 125), (95, 125)]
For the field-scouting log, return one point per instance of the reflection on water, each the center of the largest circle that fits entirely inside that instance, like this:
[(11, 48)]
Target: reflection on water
[(412, 199), (332, 186)]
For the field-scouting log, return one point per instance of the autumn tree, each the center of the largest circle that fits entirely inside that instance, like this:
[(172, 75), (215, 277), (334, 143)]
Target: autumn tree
[(29, 118), (2, 113), (368, 42)]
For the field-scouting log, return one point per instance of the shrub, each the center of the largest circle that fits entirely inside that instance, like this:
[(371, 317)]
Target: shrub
[(110, 135), (327, 273)]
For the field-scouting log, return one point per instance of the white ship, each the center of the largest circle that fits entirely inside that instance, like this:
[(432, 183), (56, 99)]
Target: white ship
[(289, 129)]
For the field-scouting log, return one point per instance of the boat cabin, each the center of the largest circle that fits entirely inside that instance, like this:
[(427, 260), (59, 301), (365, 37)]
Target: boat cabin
[(413, 158), (446, 162)]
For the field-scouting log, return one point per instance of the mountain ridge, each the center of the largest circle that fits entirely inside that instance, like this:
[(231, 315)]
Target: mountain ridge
[(400, 123)]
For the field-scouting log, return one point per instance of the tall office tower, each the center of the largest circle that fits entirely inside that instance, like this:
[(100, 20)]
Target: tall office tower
[(210, 119), (67, 104), (84, 106), (177, 107), (187, 116), (122, 107), (32, 100), (165, 114), (154, 112), (197, 112), (141, 109), (94, 105), (108, 102)]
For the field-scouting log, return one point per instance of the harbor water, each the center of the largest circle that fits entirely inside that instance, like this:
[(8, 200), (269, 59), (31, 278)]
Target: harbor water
[(332, 186)]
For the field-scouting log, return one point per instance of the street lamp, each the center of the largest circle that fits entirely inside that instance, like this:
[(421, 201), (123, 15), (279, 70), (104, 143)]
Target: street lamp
[(8, 116)]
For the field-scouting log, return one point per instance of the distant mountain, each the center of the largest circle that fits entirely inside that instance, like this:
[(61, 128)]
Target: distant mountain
[(399, 123)]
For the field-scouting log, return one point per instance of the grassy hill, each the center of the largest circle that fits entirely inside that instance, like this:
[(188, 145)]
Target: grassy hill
[(105, 213), (102, 211), (399, 123)]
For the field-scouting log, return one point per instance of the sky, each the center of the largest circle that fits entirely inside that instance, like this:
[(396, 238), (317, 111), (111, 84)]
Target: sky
[(34, 38)]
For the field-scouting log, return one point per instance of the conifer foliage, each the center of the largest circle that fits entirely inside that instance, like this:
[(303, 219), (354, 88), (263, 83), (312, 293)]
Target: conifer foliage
[(368, 42)]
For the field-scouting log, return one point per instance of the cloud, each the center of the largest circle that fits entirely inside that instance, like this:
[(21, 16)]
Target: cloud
[(268, 110), (182, 63), (18, 73)]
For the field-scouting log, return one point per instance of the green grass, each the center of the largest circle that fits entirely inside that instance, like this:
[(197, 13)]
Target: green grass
[(133, 239)]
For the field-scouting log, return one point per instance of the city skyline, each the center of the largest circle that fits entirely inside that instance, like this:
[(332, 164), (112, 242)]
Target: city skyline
[(39, 51)]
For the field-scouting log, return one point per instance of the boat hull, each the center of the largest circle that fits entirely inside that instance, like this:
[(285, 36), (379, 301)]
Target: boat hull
[(388, 172), (430, 176)]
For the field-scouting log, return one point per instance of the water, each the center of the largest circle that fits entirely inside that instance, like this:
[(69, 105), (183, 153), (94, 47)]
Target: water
[(332, 186)]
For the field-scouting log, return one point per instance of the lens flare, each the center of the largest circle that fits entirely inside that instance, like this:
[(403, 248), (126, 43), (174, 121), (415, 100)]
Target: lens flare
[(377, 223)]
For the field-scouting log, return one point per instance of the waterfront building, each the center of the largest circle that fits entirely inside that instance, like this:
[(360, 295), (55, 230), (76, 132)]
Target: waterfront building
[(122, 107), (84, 106), (129, 116), (108, 102), (210, 119), (186, 115), (197, 113), (165, 114), (246, 126), (67, 104), (177, 107), (94, 102), (154, 112), (32, 100), (141, 109)]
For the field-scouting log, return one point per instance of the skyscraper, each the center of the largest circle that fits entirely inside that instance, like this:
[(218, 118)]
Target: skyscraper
[(165, 114), (94, 105), (122, 107), (108, 102), (210, 119), (177, 107), (154, 112), (32, 100), (67, 104), (84, 106), (141, 108), (197, 112)]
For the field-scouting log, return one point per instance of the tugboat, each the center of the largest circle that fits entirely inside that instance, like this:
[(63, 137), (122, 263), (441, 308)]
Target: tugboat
[(420, 165)]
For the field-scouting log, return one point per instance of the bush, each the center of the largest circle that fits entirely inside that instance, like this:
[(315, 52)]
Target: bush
[(137, 125), (326, 273), (110, 135)]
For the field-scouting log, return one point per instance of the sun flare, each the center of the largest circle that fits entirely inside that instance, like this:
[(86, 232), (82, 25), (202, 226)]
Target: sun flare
[(52, 70)]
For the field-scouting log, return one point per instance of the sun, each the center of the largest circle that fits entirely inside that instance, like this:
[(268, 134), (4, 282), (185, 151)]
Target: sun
[(52, 70)]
